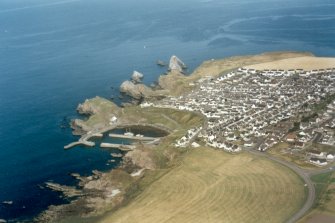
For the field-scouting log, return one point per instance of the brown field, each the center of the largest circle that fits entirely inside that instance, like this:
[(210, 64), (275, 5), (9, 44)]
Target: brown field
[(213, 186), (306, 63)]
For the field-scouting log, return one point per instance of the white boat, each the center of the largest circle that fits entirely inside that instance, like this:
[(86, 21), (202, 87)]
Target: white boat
[(129, 134)]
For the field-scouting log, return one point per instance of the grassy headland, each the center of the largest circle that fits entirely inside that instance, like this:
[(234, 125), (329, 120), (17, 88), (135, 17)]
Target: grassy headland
[(186, 184)]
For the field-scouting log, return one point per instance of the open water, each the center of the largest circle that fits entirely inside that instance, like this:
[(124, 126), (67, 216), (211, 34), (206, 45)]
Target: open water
[(56, 53)]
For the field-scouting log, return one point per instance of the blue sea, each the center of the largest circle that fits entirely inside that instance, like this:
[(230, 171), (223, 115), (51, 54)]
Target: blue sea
[(56, 53)]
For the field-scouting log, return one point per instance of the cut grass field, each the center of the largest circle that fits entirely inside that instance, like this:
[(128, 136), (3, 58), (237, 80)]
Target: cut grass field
[(213, 186)]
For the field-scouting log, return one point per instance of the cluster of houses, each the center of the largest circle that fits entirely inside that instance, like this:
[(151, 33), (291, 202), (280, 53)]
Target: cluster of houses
[(245, 105), (320, 158)]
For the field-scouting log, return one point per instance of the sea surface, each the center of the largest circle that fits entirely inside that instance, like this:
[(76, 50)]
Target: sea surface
[(56, 53)]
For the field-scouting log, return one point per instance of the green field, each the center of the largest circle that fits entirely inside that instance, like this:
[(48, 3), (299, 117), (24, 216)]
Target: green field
[(324, 207)]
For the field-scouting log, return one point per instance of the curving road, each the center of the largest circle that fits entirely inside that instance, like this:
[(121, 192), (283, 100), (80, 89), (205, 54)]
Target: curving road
[(304, 175)]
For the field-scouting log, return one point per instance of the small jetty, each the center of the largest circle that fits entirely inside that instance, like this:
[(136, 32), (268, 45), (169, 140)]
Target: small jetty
[(79, 143), (97, 135), (118, 146), (133, 137)]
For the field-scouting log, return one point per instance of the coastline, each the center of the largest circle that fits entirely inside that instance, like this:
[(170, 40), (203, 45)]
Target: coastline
[(149, 117)]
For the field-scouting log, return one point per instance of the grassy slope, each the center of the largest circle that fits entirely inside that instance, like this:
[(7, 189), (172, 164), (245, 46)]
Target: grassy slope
[(325, 199), (212, 186)]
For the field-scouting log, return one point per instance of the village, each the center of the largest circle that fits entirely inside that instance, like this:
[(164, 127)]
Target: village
[(258, 109)]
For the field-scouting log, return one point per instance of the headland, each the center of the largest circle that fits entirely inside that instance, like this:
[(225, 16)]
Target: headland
[(241, 105)]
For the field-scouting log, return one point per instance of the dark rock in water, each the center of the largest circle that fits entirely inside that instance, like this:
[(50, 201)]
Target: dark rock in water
[(176, 64), (161, 63), (65, 123)]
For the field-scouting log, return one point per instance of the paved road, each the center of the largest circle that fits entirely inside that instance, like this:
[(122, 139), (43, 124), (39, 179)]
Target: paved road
[(304, 175)]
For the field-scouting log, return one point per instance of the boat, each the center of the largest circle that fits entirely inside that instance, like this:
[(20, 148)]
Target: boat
[(116, 154), (129, 134)]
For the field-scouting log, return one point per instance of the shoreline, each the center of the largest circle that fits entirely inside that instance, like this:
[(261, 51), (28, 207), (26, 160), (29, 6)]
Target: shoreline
[(131, 113)]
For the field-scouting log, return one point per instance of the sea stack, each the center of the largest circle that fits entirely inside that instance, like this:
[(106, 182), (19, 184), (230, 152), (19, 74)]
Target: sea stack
[(137, 77), (176, 64)]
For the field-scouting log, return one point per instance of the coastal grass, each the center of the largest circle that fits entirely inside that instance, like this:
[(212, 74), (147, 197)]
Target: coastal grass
[(281, 150), (212, 186), (324, 207), (165, 118), (173, 119), (322, 181)]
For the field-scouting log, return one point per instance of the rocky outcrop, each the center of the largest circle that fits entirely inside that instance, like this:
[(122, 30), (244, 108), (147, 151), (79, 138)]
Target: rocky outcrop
[(67, 191), (176, 64), (79, 127), (141, 158), (99, 112), (136, 91), (97, 194), (160, 63), (87, 108), (137, 77)]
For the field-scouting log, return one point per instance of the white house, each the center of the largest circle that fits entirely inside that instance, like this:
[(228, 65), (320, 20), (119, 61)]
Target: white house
[(330, 157), (319, 162)]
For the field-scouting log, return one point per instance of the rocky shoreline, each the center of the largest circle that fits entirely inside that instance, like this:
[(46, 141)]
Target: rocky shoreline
[(102, 192), (138, 91)]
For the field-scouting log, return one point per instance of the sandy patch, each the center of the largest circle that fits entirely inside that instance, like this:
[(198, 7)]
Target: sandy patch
[(306, 63), (137, 173)]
